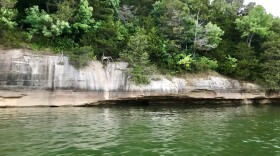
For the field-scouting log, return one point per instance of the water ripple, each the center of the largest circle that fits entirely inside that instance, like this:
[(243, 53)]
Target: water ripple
[(245, 130)]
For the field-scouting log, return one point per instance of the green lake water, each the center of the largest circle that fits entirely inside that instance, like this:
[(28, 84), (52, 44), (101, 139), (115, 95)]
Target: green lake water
[(141, 131)]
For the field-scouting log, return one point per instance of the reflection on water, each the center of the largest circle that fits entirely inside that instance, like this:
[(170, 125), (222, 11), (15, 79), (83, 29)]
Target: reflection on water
[(244, 130)]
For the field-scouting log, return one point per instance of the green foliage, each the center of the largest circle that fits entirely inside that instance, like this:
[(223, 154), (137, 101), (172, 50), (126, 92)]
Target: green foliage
[(137, 56), (157, 48), (270, 63), (223, 54), (65, 10), (232, 61), (7, 3), (224, 13), (64, 44), (115, 4), (139, 75), (196, 64), (7, 17), (37, 19), (45, 24), (121, 31), (230, 7), (14, 38), (248, 64), (102, 10), (7, 14), (258, 22), (209, 38), (83, 18), (141, 8), (204, 64), (10, 36), (136, 52), (174, 20), (52, 25), (201, 7), (81, 56), (162, 52), (229, 65), (108, 38), (186, 61), (151, 32)]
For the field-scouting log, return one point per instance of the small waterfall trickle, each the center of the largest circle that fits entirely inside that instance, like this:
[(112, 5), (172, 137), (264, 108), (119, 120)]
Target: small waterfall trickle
[(107, 81)]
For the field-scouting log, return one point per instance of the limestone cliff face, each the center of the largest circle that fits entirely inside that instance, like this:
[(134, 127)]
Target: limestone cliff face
[(21, 69), (27, 79)]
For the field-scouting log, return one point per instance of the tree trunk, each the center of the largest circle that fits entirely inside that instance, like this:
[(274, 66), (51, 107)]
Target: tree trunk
[(249, 39), (195, 33), (196, 25)]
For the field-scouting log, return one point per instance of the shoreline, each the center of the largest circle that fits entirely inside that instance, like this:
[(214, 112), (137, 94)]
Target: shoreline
[(28, 79), (69, 98)]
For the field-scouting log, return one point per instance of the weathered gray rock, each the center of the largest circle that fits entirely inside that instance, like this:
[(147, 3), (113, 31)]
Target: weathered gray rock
[(21, 69), (28, 79)]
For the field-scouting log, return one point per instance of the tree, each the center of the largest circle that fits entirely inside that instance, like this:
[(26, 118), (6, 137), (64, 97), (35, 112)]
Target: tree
[(51, 5), (65, 10), (199, 7), (250, 6), (270, 59), (22, 5), (270, 64), (185, 61), (103, 10), (141, 8), (83, 18), (8, 23), (137, 56), (137, 48), (7, 14), (224, 13), (208, 37), (7, 3), (247, 67), (115, 4), (108, 36), (51, 25), (175, 22), (125, 14), (257, 22), (43, 23), (230, 7)]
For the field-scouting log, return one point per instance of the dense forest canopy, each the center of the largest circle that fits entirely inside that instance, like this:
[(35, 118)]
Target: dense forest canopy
[(170, 36)]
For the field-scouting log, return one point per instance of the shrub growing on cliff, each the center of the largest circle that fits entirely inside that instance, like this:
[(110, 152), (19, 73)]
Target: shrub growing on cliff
[(229, 65), (204, 63), (137, 56), (14, 38), (81, 56), (138, 75), (185, 61)]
